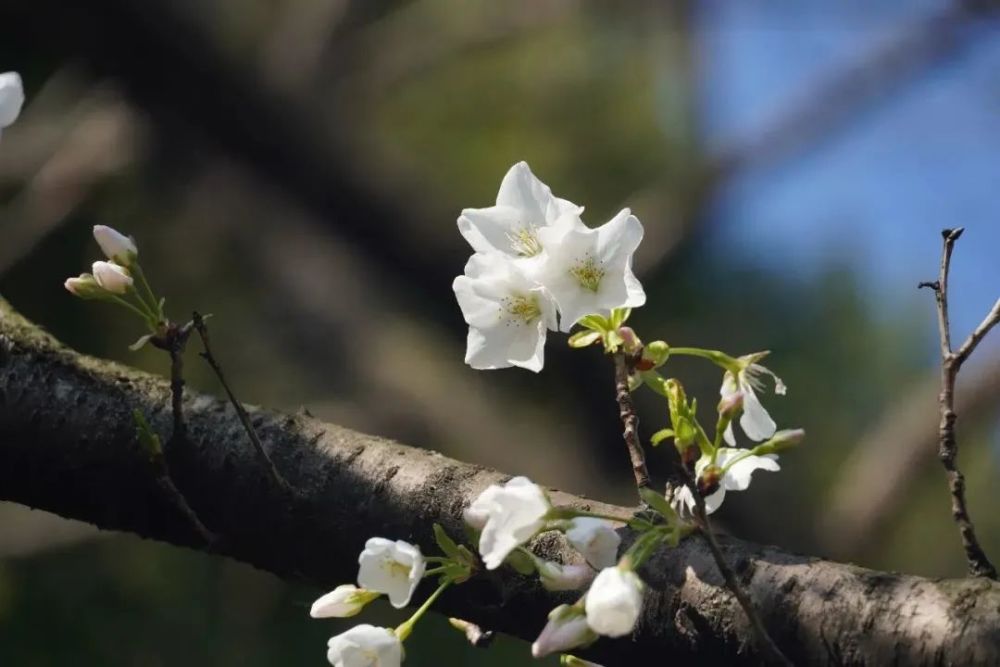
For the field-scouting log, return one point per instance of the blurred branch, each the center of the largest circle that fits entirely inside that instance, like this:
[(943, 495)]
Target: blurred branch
[(190, 87), (865, 496), (73, 452)]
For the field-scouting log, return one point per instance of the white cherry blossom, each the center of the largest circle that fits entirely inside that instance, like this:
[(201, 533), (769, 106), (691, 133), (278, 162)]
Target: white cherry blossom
[(514, 513), (524, 206), (393, 568), (508, 314), (755, 420), (614, 602), (738, 466), (11, 98), (365, 646), (343, 601), (111, 277), (595, 539), (589, 271)]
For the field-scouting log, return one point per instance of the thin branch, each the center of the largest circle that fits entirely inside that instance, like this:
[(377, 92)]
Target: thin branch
[(990, 321), (769, 650), (979, 564), (166, 483), (630, 422), (199, 324)]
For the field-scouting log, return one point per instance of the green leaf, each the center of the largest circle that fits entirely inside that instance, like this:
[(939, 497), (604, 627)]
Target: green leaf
[(619, 316), (445, 543), (521, 562), (661, 435), (147, 437), (594, 323), (656, 382), (658, 503), (584, 338)]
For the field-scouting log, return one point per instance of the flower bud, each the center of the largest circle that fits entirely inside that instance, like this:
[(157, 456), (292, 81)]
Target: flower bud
[(656, 353), (731, 405), (614, 602), (567, 628), (115, 245), (476, 635), (784, 439), (630, 341), (558, 577), (708, 481), (84, 286), (111, 277), (595, 539), (342, 602)]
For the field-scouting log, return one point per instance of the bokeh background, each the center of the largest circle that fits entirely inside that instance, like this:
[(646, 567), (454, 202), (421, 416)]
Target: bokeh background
[(295, 167)]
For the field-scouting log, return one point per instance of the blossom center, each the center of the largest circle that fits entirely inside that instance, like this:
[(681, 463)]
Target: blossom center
[(588, 272), (524, 241), (395, 568), (522, 307)]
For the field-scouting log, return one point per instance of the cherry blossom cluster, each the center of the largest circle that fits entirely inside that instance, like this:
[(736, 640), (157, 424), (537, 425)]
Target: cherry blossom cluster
[(537, 268)]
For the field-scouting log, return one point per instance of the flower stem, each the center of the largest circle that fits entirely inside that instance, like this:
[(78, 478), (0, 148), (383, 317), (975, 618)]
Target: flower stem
[(405, 628), (148, 291), (144, 314), (630, 422)]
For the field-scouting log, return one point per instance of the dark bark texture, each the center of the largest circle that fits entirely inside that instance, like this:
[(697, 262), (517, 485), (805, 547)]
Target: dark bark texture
[(68, 445)]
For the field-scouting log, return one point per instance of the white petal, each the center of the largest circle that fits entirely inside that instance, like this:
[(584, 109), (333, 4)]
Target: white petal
[(614, 602), (737, 478), (365, 646), (489, 229), (714, 501), (520, 189), (393, 568), (595, 539), (11, 97), (728, 435), (755, 420)]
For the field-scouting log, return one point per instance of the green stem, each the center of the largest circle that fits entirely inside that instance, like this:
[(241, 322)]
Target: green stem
[(148, 290), (434, 570), (715, 356), (404, 630), (145, 315)]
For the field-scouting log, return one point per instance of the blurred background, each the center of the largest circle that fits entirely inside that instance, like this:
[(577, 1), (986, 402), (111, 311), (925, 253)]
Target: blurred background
[(295, 167)]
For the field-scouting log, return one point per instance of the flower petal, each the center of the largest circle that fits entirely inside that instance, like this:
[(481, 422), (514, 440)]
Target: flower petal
[(756, 422)]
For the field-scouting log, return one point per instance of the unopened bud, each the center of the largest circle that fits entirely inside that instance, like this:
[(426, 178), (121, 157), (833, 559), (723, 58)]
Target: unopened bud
[(111, 277), (476, 635), (567, 628), (708, 481), (785, 439), (84, 286), (731, 405), (630, 341), (115, 245), (342, 602), (558, 577), (11, 97), (656, 353)]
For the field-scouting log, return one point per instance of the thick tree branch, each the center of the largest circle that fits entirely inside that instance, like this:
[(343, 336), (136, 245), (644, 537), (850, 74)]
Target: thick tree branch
[(67, 445)]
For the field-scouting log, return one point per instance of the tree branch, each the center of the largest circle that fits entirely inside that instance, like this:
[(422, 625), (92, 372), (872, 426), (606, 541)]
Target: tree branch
[(979, 563), (67, 445), (630, 422)]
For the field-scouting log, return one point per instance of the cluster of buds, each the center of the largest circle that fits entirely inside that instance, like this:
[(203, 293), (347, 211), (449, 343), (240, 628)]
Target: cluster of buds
[(120, 280)]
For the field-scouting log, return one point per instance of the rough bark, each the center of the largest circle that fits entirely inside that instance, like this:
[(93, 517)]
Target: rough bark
[(68, 445)]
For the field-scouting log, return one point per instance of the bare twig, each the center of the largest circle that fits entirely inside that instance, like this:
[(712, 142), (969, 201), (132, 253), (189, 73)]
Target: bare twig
[(166, 483), (769, 650), (951, 362), (630, 421), (198, 321), (174, 342)]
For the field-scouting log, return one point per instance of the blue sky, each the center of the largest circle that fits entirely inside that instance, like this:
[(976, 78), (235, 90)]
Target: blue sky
[(876, 194)]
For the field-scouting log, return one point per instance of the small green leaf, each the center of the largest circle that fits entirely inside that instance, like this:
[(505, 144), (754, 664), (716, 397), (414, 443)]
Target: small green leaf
[(594, 323), (658, 503), (521, 562), (147, 437), (656, 382), (661, 435), (445, 543), (619, 316), (584, 338)]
